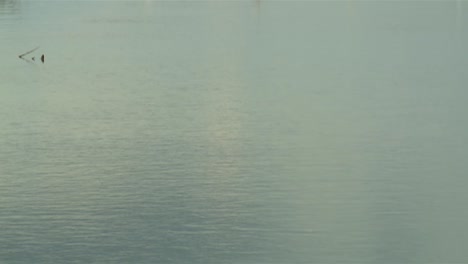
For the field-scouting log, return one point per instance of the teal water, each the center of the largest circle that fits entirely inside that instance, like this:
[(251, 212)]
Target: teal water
[(233, 132)]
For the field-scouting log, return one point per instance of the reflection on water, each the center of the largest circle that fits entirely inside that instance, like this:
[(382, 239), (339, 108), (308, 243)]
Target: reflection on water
[(233, 132)]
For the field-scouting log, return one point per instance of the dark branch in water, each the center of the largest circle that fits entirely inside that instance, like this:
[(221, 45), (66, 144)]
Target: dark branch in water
[(26, 53), (26, 60), (32, 58)]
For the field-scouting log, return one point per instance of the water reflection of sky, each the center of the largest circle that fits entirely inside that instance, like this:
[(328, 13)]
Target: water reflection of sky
[(313, 128), (9, 6)]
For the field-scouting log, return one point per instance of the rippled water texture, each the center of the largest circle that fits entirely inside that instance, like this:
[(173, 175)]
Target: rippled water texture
[(233, 132)]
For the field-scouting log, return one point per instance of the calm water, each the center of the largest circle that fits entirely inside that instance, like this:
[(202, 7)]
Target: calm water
[(234, 132)]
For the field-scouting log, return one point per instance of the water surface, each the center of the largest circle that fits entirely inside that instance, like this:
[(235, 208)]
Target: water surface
[(233, 132)]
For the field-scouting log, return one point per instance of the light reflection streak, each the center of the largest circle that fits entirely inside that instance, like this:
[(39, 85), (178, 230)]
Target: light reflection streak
[(459, 14)]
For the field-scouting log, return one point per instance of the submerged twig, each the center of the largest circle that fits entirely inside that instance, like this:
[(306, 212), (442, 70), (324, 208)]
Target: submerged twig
[(26, 53), (26, 60)]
